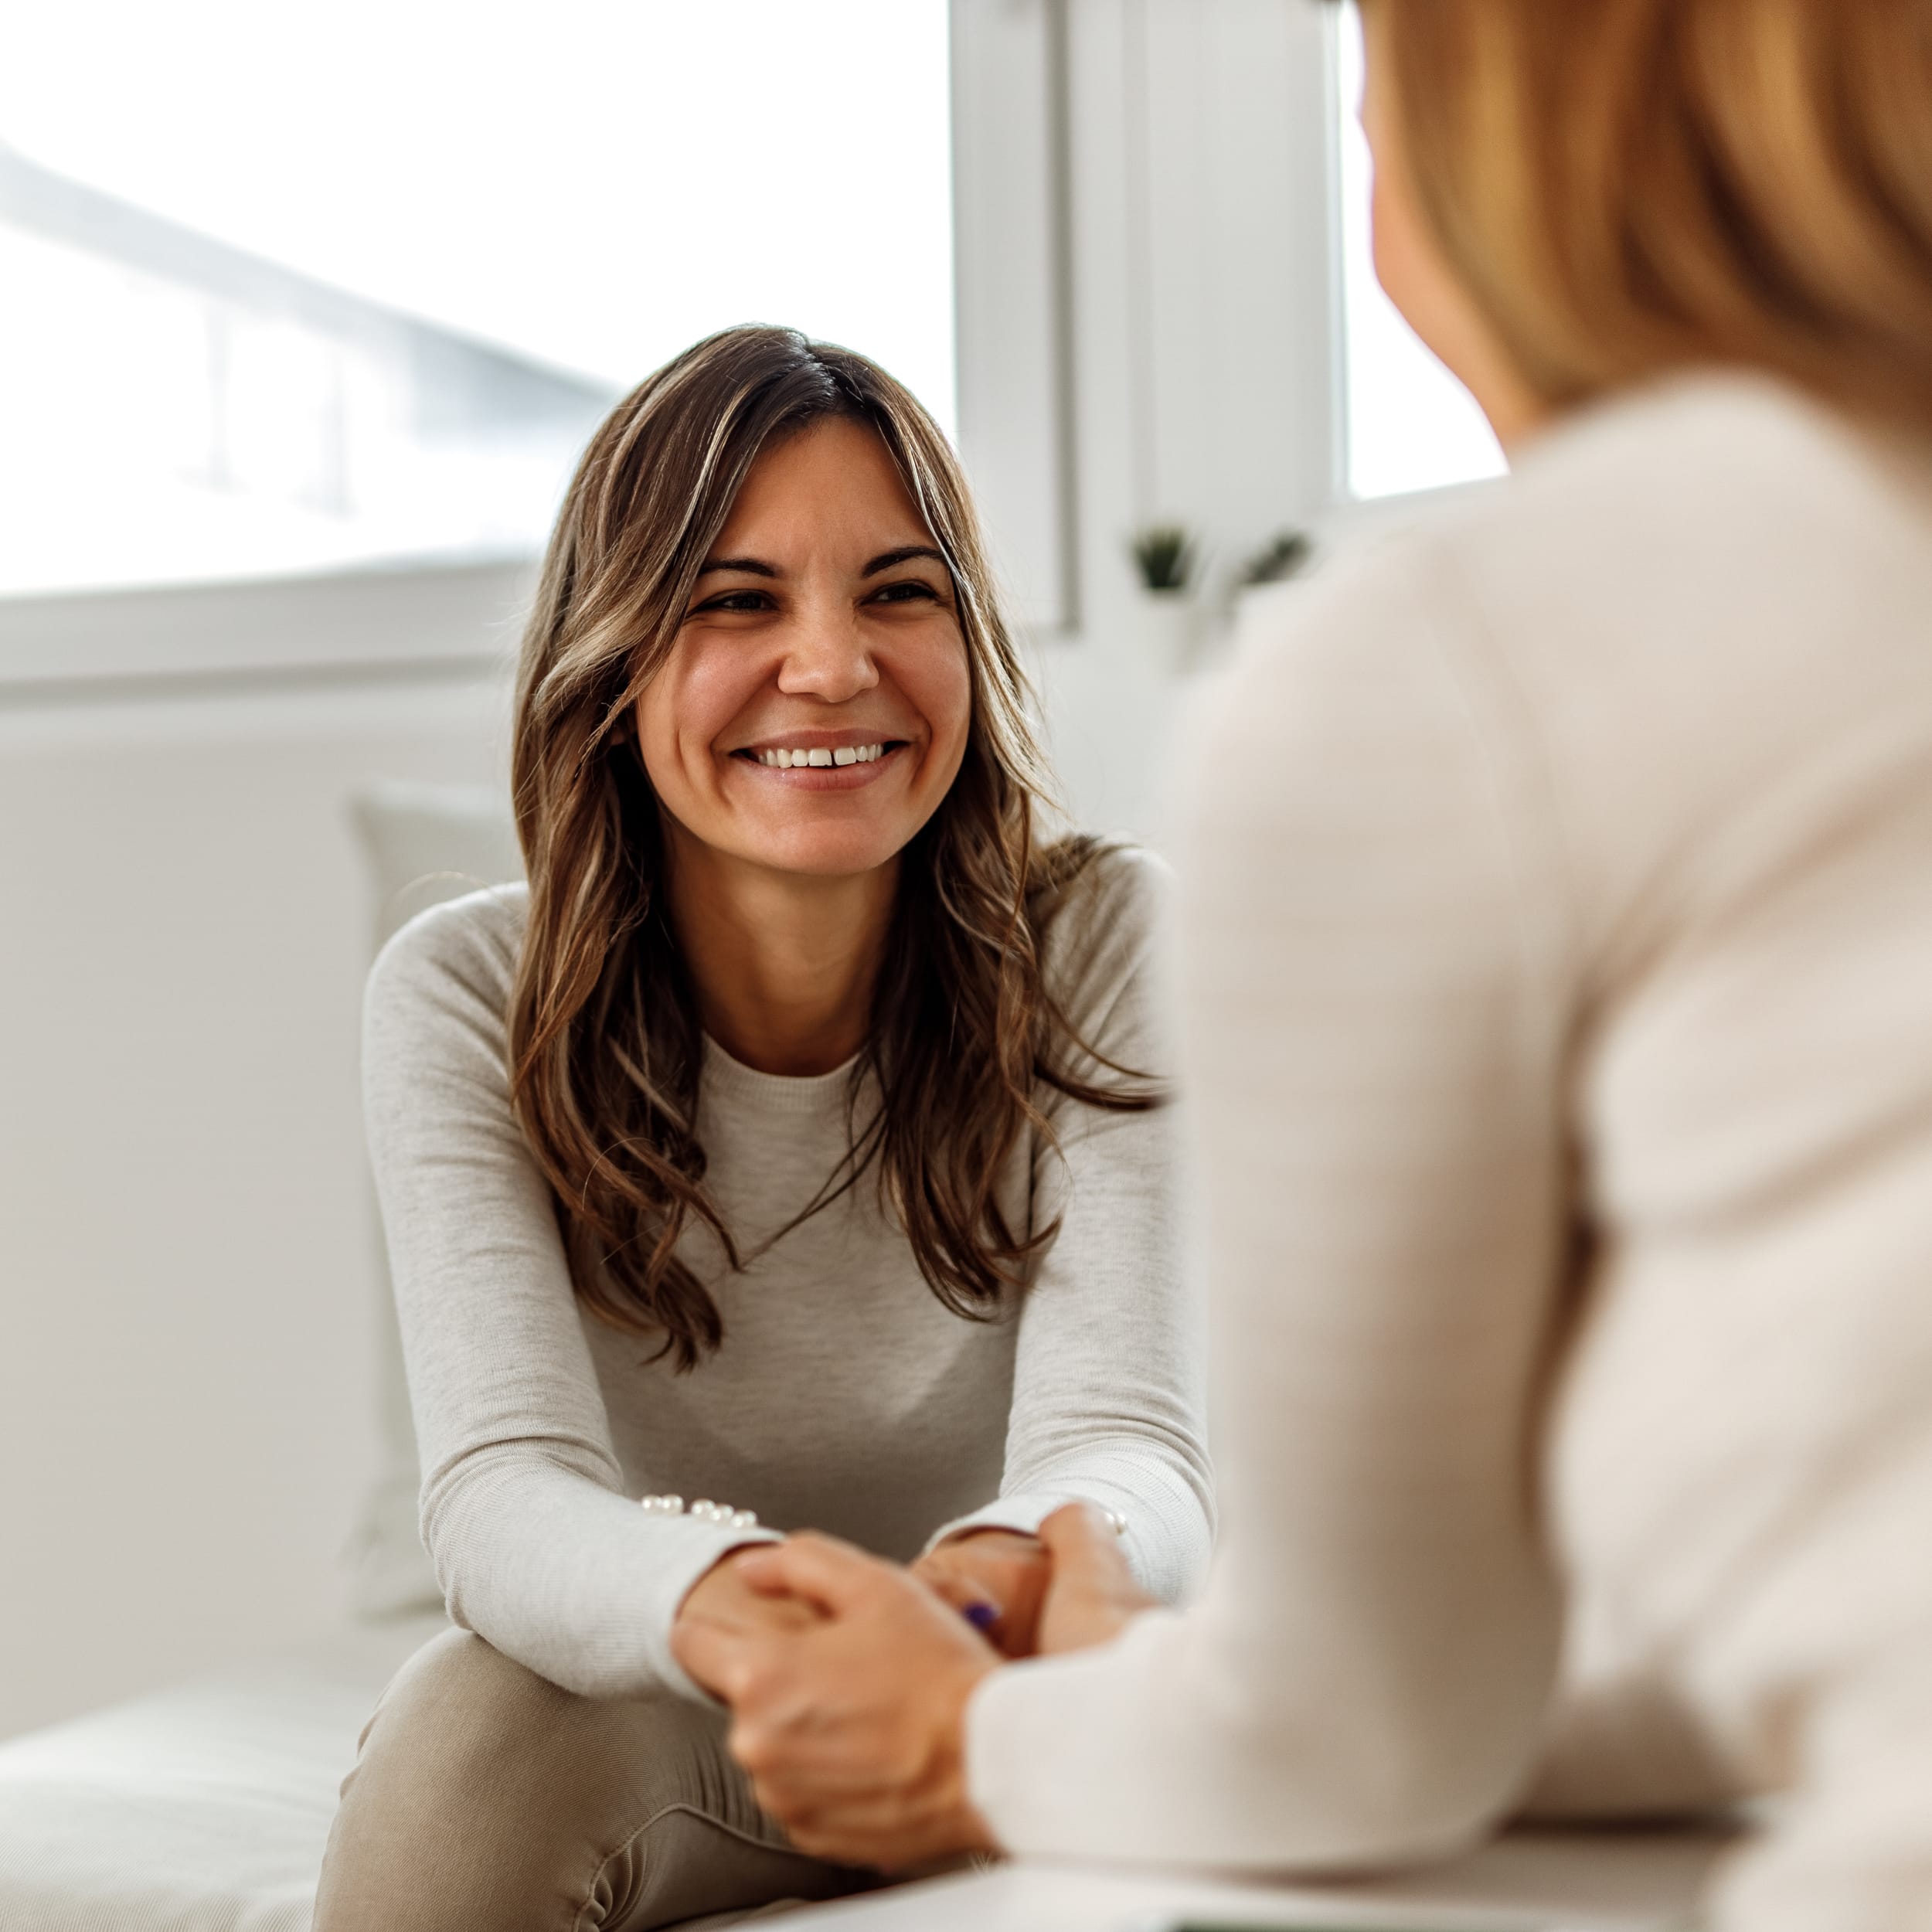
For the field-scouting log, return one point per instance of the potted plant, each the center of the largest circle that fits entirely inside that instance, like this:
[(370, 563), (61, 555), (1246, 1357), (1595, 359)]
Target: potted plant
[(1285, 556), (1165, 557)]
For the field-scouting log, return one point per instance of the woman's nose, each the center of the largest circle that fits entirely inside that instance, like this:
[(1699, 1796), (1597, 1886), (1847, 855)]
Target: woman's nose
[(827, 657)]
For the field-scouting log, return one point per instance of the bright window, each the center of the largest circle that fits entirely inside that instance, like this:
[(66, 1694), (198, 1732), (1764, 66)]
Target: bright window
[(1410, 424), (305, 285)]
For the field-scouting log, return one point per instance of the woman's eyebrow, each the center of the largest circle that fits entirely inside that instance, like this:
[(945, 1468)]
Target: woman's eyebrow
[(746, 565), (891, 559)]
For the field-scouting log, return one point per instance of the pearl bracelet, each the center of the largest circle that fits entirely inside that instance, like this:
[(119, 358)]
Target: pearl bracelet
[(706, 1511), (721, 1513)]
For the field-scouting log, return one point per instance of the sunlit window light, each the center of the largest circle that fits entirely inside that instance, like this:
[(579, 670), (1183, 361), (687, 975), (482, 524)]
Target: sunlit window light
[(387, 334)]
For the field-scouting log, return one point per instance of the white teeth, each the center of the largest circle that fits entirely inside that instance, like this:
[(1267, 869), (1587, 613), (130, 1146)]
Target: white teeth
[(787, 761)]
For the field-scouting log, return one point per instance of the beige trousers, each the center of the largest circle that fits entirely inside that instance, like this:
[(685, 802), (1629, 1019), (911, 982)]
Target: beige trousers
[(484, 1799)]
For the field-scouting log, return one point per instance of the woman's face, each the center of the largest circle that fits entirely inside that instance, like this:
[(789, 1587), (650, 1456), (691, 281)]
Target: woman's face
[(814, 709)]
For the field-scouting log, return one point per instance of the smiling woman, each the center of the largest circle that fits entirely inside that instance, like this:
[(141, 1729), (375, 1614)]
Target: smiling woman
[(795, 1138)]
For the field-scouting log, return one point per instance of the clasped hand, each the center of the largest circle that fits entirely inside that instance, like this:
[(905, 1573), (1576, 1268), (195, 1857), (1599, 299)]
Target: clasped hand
[(848, 1677)]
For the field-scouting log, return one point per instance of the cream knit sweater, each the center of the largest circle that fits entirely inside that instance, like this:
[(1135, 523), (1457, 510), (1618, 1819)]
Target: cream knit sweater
[(1556, 957)]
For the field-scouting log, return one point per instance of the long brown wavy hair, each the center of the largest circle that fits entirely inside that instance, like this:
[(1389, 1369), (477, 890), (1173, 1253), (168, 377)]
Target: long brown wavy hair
[(605, 1040)]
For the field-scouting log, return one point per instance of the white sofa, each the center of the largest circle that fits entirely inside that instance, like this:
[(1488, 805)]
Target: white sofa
[(203, 1808)]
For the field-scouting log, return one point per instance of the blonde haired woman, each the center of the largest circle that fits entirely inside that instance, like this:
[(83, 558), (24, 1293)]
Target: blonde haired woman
[(784, 1156), (1557, 935)]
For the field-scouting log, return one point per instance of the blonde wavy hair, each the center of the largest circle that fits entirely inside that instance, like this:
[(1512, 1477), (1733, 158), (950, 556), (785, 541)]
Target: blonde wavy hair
[(605, 1041), (1628, 187)]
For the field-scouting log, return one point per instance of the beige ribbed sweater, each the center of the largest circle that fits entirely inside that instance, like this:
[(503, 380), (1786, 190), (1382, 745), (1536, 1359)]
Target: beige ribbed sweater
[(1555, 937)]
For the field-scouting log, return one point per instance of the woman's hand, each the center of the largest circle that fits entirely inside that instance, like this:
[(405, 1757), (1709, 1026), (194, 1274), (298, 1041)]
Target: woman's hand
[(722, 1604), (995, 1578), (852, 1721), (1092, 1595)]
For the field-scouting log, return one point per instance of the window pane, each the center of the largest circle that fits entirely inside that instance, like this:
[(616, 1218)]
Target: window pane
[(1411, 425), (300, 285)]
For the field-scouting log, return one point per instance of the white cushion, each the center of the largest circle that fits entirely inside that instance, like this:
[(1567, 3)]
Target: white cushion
[(204, 1809), (422, 844)]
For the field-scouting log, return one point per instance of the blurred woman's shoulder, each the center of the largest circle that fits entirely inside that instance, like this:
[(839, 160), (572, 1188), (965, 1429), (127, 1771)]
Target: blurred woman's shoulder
[(1716, 544), (1722, 486)]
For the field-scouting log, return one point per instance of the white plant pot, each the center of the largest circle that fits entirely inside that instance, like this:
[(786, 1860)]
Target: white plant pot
[(1167, 630)]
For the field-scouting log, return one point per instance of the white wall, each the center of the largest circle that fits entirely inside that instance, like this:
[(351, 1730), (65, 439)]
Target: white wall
[(186, 1379)]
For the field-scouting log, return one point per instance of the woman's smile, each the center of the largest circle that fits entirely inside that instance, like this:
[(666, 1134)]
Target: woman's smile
[(820, 760)]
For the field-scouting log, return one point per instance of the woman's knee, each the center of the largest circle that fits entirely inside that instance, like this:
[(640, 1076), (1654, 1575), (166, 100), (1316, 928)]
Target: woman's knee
[(459, 1703), (481, 1791), (462, 1712), (485, 1796)]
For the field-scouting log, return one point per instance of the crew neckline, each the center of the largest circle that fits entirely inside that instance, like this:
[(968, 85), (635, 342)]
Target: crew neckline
[(783, 1093)]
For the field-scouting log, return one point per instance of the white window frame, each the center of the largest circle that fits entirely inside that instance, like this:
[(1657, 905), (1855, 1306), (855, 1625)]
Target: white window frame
[(1093, 396), (346, 626), (1147, 267)]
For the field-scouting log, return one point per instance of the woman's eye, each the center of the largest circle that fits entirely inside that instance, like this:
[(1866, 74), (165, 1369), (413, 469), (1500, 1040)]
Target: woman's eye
[(906, 592), (738, 600)]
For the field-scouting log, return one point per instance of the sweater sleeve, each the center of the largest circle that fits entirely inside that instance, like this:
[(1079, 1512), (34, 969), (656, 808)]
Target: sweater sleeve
[(1369, 966), (1108, 1380), (535, 1546)]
